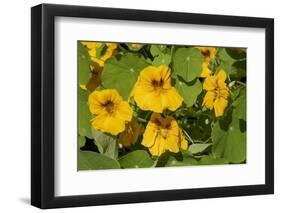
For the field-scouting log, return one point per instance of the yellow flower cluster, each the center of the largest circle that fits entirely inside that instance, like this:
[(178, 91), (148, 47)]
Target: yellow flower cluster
[(153, 91)]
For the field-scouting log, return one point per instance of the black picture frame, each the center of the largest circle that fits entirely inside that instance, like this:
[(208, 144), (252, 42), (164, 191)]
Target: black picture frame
[(43, 110)]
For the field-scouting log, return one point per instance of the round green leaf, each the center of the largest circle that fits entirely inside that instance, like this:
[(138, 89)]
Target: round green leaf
[(239, 105), (157, 49), (189, 91), (229, 143), (84, 115), (107, 144), (88, 160), (187, 161), (208, 160), (81, 141), (226, 61), (198, 148), (136, 159), (188, 63), (162, 59), (236, 53), (121, 73), (238, 70), (84, 72)]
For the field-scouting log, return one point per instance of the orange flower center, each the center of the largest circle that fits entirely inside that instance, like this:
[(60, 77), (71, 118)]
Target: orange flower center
[(109, 106), (157, 84), (163, 128)]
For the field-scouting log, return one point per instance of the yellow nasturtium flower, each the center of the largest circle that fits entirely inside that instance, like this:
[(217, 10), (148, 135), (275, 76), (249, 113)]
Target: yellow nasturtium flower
[(217, 93), (153, 90), (163, 134), (209, 53), (92, 50), (111, 112), (132, 131)]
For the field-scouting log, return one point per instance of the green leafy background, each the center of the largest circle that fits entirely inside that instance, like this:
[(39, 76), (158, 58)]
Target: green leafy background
[(211, 140)]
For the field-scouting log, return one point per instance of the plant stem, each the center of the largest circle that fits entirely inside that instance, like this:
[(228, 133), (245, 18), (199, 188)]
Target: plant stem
[(241, 83), (142, 120), (188, 136), (199, 141)]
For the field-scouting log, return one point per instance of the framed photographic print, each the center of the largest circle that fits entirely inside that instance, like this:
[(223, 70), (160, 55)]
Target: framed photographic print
[(139, 106)]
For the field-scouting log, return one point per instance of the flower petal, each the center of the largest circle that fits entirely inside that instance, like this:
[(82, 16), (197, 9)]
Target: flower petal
[(220, 104), (107, 123), (148, 100), (123, 111), (209, 83), (149, 135), (224, 93), (96, 103), (221, 77), (158, 148), (206, 72), (209, 99), (171, 143), (171, 99)]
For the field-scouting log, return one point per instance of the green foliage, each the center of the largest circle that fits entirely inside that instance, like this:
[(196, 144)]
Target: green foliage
[(81, 141), (107, 144), (238, 70), (188, 63), (91, 160), (84, 71), (239, 105), (199, 148), (186, 161), (84, 125), (136, 159), (158, 49), (122, 68), (161, 55), (236, 53), (208, 160), (101, 50), (226, 61), (229, 143), (189, 91), (162, 59)]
